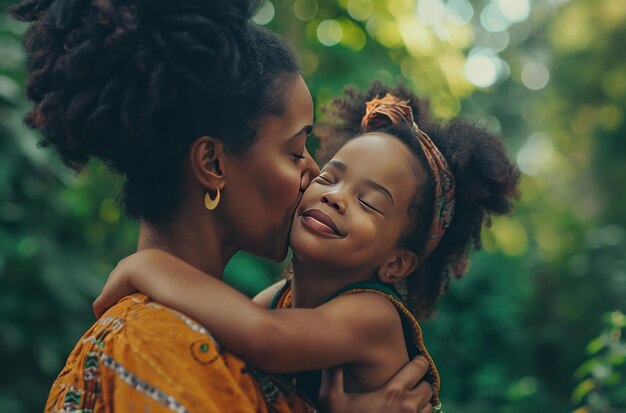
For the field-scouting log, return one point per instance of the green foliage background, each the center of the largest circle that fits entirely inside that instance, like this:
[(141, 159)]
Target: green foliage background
[(512, 335)]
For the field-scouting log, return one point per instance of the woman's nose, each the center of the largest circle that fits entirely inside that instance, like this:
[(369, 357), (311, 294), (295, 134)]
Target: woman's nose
[(309, 171), (335, 201)]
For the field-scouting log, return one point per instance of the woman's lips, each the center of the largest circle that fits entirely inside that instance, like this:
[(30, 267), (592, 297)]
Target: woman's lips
[(320, 222)]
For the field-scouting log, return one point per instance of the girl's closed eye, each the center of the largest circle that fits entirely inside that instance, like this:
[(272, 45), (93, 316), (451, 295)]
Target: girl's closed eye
[(370, 206), (325, 178)]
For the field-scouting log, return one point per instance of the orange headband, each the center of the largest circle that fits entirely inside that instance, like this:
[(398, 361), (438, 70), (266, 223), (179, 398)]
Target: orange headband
[(378, 113)]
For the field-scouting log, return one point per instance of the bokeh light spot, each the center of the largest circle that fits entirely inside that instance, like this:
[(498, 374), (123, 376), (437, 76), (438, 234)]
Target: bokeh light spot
[(493, 20), (459, 12), (498, 42), (265, 14), (483, 68), (431, 12), (611, 117), (536, 153), (305, 9), (515, 10), (353, 36), (535, 75), (360, 9), (509, 235), (329, 32)]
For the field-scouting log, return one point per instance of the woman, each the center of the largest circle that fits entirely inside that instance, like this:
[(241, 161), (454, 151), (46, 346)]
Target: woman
[(193, 107)]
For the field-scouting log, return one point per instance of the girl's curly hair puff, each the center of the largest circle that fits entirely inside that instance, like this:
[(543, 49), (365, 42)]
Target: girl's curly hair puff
[(486, 183)]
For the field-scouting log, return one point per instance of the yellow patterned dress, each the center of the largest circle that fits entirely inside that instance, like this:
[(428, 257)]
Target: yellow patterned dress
[(142, 357)]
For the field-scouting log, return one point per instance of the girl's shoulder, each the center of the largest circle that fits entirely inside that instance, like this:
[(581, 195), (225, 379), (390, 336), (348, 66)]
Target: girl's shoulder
[(372, 308), (365, 312), (378, 297), (370, 312)]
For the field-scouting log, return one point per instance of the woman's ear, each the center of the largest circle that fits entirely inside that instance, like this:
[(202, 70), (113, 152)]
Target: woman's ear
[(206, 157), (400, 264)]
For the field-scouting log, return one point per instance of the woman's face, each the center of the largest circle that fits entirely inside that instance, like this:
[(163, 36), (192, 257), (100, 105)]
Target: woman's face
[(354, 213), (264, 186)]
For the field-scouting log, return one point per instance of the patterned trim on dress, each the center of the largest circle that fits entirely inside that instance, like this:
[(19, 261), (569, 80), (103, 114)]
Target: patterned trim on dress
[(72, 400), (93, 340), (142, 386), (117, 323), (91, 376)]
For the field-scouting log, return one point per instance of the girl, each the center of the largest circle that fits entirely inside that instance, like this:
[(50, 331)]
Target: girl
[(381, 214)]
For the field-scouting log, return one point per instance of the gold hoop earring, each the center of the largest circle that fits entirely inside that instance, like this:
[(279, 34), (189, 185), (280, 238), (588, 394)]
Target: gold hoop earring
[(209, 203)]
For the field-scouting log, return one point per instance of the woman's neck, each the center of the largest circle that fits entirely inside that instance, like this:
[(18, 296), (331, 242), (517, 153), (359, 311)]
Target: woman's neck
[(312, 285), (197, 245)]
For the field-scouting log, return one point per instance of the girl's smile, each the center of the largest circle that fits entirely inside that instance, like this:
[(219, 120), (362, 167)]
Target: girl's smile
[(319, 222)]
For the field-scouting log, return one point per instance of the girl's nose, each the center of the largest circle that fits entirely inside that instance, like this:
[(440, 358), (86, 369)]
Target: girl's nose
[(335, 201)]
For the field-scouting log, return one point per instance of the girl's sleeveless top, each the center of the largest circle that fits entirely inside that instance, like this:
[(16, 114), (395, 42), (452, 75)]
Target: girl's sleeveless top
[(411, 328)]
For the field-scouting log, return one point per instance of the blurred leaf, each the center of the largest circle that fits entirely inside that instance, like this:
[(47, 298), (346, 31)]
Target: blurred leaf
[(596, 345), (583, 388)]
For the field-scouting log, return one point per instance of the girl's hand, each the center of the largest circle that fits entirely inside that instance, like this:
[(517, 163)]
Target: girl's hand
[(118, 285), (402, 393)]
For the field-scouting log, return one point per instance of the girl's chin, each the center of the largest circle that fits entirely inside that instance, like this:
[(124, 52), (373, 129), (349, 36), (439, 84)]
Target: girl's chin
[(309, 252)]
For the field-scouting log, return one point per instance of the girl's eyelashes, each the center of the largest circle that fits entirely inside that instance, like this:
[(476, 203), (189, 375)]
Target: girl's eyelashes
[(367, 205), (324, 179), (298, 156)]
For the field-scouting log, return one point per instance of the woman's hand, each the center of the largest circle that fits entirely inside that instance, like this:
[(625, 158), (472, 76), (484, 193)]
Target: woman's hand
[(118, 285), (402, 393)]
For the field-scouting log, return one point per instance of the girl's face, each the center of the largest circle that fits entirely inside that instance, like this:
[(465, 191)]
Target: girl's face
[(355, 212), (264, 186)]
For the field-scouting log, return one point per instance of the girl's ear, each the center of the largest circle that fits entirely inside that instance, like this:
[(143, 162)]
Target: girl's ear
[(206, 157), (400, 264)]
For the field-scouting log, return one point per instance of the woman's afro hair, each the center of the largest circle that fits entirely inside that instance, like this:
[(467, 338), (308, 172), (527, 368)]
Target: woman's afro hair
[(134, 82)]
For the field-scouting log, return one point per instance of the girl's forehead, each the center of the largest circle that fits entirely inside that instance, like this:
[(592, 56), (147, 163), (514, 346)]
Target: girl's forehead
[(376, 151), (379, 157)]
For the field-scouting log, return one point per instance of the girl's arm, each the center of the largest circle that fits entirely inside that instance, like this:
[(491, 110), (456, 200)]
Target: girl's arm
[(274, 340)]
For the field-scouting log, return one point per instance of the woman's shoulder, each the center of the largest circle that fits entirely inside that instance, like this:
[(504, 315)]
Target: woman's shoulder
[(140, 319), (142, 353)]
